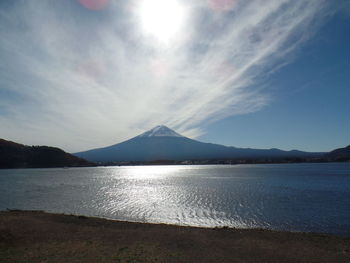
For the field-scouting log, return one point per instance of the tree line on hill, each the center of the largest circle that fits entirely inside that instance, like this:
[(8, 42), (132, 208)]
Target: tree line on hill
[(14, 155)]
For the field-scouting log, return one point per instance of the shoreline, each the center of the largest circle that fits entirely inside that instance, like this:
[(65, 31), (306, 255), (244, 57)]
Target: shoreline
[(226, 227), (37, 236), (175, 164)]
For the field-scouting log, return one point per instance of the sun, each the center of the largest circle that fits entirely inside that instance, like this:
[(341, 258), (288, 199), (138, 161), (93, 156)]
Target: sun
[(161, 19)]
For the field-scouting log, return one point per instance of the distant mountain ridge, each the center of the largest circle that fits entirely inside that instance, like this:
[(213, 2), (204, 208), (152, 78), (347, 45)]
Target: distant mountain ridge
[(162, 143), (15, 155)]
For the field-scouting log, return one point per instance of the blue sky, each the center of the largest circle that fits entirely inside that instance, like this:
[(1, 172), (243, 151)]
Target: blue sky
[(81, 74), (310, 107)]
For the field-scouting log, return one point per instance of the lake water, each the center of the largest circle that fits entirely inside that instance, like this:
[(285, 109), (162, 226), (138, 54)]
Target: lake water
[(296, 197)]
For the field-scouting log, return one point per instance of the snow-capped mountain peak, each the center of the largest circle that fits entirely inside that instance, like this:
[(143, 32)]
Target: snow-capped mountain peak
[(160, 130)]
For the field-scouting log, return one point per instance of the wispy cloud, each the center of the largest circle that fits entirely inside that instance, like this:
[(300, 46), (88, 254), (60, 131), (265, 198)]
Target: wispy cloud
[(78, 78)]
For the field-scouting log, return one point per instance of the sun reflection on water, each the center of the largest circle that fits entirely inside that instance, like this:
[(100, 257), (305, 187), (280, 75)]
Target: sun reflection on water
[(152, 194), (149, 172)]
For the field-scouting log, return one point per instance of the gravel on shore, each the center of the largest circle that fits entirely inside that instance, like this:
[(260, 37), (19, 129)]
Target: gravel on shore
[(34, 236)]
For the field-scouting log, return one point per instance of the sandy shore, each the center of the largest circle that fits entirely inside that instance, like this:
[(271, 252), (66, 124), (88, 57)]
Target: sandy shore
[(27, 236)]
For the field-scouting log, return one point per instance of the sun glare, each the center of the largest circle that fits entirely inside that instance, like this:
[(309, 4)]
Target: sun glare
[(162, 19)]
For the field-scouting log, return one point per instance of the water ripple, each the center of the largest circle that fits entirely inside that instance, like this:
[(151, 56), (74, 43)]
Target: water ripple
[(307, 197)]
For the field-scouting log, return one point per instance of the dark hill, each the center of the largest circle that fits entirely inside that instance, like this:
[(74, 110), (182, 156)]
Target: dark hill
[(340, 154), (14, 155)]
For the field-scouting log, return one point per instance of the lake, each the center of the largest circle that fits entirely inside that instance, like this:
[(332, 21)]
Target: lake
[(293, 197)]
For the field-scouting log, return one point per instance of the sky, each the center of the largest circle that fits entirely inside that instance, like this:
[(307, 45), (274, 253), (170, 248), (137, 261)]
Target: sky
[(82, 74)]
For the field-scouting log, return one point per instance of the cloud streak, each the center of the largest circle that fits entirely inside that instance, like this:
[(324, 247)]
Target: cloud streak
[(79, 79)]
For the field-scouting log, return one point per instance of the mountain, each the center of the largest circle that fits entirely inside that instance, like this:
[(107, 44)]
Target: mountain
[(160, 131), (341, 154), (14, 155), (162, 143)]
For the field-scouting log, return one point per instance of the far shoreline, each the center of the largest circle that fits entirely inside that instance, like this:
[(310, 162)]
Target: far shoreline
[(175, 164)]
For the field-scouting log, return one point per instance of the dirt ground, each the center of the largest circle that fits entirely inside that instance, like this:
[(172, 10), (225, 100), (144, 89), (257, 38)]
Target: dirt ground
[(29, 236)]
